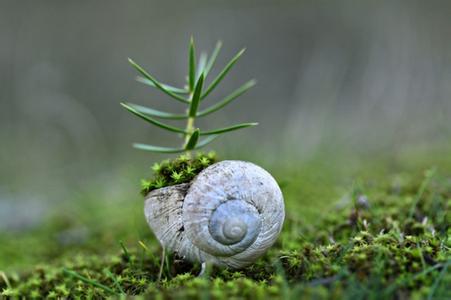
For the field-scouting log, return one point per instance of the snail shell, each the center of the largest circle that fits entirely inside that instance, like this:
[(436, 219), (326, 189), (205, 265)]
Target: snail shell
[(228, 215)]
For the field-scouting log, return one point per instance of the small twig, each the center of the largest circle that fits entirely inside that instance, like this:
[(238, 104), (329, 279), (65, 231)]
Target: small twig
[(163, 255), (203, 270), (167, 263)]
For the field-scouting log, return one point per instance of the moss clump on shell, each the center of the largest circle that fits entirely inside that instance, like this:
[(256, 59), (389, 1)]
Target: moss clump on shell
[(181, 169)]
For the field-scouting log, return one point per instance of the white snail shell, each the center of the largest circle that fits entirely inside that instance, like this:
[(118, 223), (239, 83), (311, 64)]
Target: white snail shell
[(229, 215)]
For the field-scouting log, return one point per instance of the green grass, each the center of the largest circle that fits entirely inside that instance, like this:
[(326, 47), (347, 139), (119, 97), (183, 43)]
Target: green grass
[(360, 231)]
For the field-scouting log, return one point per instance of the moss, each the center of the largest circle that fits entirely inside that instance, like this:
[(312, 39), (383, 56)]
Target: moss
[(380, 242), (377, 242), (176, 171)]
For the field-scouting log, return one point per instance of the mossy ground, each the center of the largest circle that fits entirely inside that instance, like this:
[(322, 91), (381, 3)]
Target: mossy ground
[(387, 236)]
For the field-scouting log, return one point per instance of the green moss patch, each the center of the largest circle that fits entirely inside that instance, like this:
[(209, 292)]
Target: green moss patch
[(384, 239), (176, 171)]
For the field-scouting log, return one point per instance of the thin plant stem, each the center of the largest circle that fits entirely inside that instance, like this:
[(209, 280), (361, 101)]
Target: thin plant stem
[(5, 279), (189, 127), (113, 278), (163, 255), (424, 185), (438, 280), (124, 249)]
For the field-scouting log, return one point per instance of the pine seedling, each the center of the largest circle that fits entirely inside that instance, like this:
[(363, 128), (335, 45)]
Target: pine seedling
[(192, 96)]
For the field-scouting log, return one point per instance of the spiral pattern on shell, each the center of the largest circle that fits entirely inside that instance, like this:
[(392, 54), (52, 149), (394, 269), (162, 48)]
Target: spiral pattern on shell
[(230, 214)]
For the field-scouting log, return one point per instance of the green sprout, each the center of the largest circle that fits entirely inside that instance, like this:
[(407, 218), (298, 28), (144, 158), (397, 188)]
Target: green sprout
[(177, 177), (191, 95)]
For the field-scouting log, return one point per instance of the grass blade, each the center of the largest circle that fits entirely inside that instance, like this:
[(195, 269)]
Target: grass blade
[(156, 83), (192, 65), (5, 279), (227, 129), (194, 105), (156, 113), (152, 121), (157, 149), (114, 279), (124, 249), (223, 73), (213, 57), (206, 141), (429, 174), (201, 65), (166, 86), (241, 90), (141, 243), (88, 281), (438, 280), (191, 144)]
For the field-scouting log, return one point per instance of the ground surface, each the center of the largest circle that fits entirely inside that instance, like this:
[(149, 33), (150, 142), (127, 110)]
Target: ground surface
[(377, 229)]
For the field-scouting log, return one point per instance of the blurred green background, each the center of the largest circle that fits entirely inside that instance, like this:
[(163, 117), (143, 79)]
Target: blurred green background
[(339, 83)]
